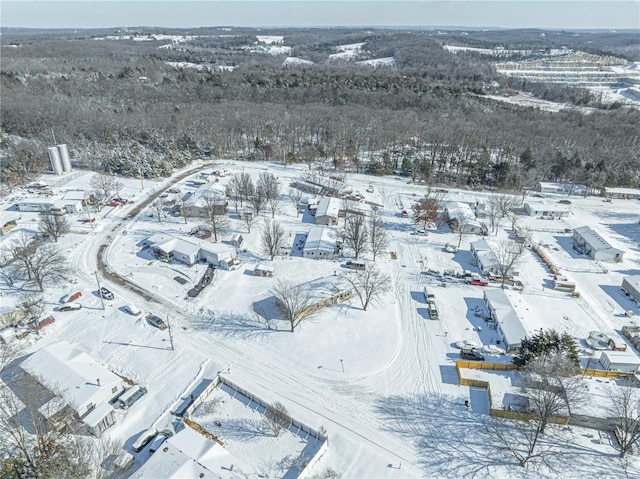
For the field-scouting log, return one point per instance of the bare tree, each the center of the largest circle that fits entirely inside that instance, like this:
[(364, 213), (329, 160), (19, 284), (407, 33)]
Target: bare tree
[(355, 234), (276, 418), (378, 235), (294, 301), (105, 185), (39, 263), (53, 225), (273, 238), (216, 216), (269, 186), (549, 387), (30, 447), (33, 305), (509, 254), (499, 206), (157, 206), (625, 412), (295, 195), (22, 252), (369, 285), (243, 186), (425, 212), (258, 200)]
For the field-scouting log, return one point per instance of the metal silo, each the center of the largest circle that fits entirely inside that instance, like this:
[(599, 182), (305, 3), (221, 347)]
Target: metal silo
[(56, 162), (66, 161)]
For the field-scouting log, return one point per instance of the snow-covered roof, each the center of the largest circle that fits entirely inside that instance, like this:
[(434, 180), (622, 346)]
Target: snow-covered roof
[(75, 195), (622, 191), (73, 374), (460, 211), (212, 190), (190, 454), (593, 239), (328, 206), (96, 416), (480, 245), (632, 282), (321, 238), (627, 356), (506, 316), (326, 287), (562, 186), (188, 245), (545, 206), (263, 267)]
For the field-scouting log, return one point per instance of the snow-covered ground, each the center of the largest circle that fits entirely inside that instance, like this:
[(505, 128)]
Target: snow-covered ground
[(382, 382)]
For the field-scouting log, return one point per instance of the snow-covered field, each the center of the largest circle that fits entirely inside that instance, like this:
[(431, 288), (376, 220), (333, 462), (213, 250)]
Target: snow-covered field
[(382, 382)]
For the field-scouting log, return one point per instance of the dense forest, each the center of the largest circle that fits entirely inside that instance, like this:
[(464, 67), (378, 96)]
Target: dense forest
[(132, 106)]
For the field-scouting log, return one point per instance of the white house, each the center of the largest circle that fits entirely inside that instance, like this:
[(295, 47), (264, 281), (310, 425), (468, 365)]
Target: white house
[(460, 216), (190, 250), (207, 194), (190, 454), (328, 211), (79, 380), (36, 205), (626, 361), (544, 209), (587, 241), (508, 323), (561, 188), (631, 286), (320, 243), (484, 257), (623, 193)]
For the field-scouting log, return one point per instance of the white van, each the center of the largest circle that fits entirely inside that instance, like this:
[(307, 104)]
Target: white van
[(144, 438), (132, 309), (131, 395)]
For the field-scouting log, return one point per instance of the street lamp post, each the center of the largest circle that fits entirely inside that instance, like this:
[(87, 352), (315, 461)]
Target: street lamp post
[(99, 290), (170, 335)]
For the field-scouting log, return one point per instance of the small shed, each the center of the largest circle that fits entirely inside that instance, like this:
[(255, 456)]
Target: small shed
[(626, 361), (237, 240), (263, 270), (99, 419)]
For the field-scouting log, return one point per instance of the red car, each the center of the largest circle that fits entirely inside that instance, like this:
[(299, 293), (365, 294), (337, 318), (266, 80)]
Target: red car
[(87, 220), (477, 282), (114, 203)]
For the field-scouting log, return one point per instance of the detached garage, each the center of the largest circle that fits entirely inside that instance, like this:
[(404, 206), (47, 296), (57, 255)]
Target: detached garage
[(625, 361)]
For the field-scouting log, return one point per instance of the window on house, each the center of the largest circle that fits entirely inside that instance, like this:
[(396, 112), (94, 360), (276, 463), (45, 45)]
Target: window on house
[(114, 390)]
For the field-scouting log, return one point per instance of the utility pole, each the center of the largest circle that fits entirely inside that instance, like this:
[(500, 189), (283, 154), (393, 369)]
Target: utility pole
[(99, 290), (170, 335), (141, 182)]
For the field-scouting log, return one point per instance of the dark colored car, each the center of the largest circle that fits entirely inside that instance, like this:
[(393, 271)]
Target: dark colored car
[(157, 322), (105, 293)]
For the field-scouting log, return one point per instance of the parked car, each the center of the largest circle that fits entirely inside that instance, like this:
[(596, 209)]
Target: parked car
[(565, 202), (421, 232), (144, 438), (132, 309), (477, 282), (87, 220), (404, 214), (105, 293), (471, 354), (159, 439), (70, 307), (157, 322), (370, 189)]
